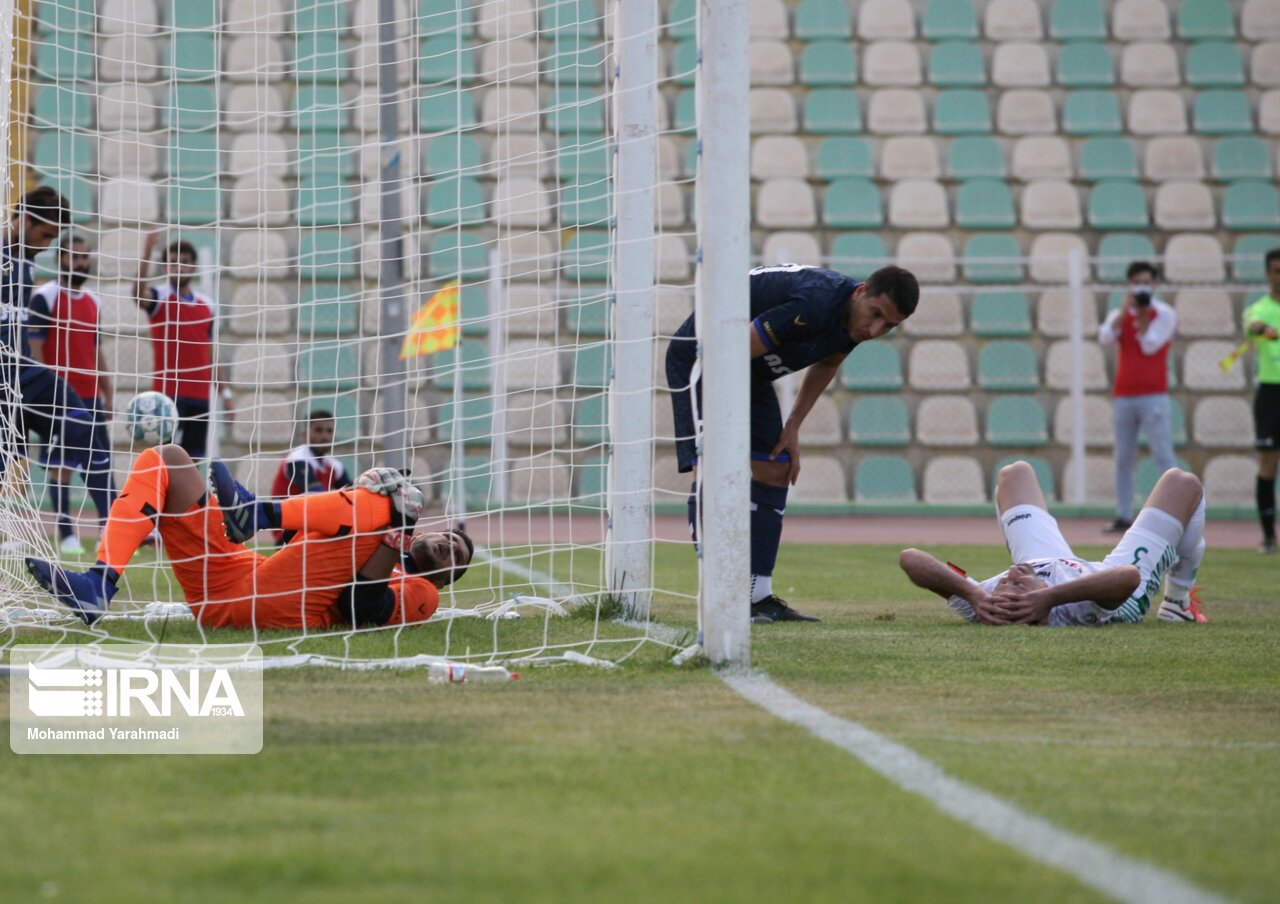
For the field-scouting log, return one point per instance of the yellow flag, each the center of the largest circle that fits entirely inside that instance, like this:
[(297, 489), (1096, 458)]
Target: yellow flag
[(435, 326)]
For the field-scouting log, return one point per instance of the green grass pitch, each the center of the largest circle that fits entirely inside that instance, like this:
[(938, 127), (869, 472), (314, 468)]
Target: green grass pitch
[(654, 783)]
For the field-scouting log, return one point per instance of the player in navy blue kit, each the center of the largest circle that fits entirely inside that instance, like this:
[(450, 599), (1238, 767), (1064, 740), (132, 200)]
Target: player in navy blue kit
[(803, 317)]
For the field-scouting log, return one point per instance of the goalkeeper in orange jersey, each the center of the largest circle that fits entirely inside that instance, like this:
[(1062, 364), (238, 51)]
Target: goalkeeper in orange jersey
[(356, 559)]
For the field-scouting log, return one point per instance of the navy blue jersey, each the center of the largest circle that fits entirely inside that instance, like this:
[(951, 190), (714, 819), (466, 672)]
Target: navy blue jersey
[(798, 312), (16, 280)]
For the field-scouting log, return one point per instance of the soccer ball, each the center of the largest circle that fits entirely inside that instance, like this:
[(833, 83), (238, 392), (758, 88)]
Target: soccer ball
[(151, 418)]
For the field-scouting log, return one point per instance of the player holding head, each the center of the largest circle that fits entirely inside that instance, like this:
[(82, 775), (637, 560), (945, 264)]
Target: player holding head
[(1050, 585), (356, 561), (803, 318)]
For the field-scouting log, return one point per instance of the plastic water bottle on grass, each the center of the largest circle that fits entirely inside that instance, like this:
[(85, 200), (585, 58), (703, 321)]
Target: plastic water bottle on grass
[(454, 673)]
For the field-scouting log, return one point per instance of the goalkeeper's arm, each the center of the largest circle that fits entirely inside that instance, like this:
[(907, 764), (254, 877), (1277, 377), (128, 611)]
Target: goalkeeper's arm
[(369, 600)]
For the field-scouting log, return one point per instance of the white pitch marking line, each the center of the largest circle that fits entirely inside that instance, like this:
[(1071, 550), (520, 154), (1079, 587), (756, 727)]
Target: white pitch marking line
[(1108, 871)]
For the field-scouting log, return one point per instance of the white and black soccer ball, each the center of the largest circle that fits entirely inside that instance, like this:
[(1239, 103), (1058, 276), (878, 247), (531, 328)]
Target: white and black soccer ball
[(151, 418)]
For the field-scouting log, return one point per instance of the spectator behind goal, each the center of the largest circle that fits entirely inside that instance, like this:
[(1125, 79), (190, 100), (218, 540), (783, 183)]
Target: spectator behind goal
[(311, 467)]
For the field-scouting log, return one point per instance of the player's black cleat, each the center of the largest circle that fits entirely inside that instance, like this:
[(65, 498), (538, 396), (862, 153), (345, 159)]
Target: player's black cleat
[(772, 609), (239, 506)]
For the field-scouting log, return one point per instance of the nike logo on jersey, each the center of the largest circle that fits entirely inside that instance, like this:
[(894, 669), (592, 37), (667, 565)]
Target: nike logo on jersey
[(799, 321)]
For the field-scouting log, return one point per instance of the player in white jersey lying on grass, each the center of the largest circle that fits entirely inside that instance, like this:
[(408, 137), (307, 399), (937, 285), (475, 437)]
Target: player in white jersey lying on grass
[(1050, 585)]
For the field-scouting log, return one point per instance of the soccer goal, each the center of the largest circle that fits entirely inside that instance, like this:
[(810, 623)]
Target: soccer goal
[(461, 230)]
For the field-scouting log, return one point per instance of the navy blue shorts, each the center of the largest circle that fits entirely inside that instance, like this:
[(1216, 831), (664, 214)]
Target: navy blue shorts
[(97, 436), (686, 401)]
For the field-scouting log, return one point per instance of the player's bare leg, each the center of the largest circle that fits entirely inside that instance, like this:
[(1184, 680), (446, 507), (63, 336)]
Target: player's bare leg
[(1017, 485)]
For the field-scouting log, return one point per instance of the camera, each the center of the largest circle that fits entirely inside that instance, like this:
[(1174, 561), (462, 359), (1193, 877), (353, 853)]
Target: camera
[(1141, 296)]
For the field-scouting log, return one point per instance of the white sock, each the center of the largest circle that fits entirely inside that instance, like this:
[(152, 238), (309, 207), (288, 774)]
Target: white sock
[(1182, 576), (761, 586)]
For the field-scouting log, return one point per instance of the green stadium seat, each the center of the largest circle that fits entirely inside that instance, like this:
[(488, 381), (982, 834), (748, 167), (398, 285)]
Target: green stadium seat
[(816, 19), (320, 58), (322, 153), (989, 246), (957, 64), (1118, 204), (961, 111), (452, 153), (325, 199), (320, 108), (844, 156), (984, 204), (79, 194), (858, 254), (591, 420), (320, 15), (976, 157), (445, 110), (884, 479), (328, 309), (454, 200), (682, 19), (684, 63), (852, 203), (193, 155), (1044, 473), (590, 481), (946, 20), (1017, 421), (63, 106), (1250, 252), (1085, 66), (327, 254), (186, 16), (1214, 65), (477, 485), (1250, 205), (570, 18), (472, 370), (444, 59), (1222, 113), (574, 61), (879, 421), (1146, 475), (329, 365), (686, 119), (872, 367), (592, 366), (193, 203), (576, 110), (587, 257), (828, 64), (1091, 113), (1077, 20), (446, 17), (1000, 314), (1007, 366), (589, 316), (457, 255), (1240, 157), (473, 309), (193, 56), (1122, 248), (585, 202), (76, 16), (63, 152), (1108, 158), (64, 56), (832, 111), (474, 422), (1205, 20)]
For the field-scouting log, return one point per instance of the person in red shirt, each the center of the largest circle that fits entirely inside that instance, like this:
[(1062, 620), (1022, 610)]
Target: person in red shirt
[(63, 334), (182, 333), (311, 467), (1142, 330)]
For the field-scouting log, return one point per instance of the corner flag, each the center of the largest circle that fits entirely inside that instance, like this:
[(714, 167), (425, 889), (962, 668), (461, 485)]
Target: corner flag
[(435, 326)]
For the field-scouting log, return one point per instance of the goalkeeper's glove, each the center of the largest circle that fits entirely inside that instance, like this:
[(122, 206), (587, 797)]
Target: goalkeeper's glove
[(382, 481), (407, 501)]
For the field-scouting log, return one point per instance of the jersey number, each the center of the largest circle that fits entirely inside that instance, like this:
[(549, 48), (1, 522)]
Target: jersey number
[(775, 364)]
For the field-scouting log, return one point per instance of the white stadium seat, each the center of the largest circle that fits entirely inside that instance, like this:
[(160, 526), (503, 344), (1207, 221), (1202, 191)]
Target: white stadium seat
[(1264, 65), (126, 107), (1049, 252), (1269, 112), (929, 255), (251, 57), (505, 18), (1184, 205), (771, 63), (1150, 65), (896, 111), (257, 254), (537, 418), (938, 314), (822, 479), (1099, 480), (822, 426), (540, 478), (1012, 20), (946, 421), (886, 20), (509, 108), (129, 201), (130, 155), (670, 202), (1053, 314), (1201, 370), (364, 18), (255, 107), (1194, 259), (1223, 422), (130, 58), (769, 20), (1260, 20), (786, 204), (259, 152), (1026, 111), (128, 17), (1041, 157), (1140, 20), (1020, 64), (918, 204), (938, 364), (779, 155), (270, 17), (532, 365), (773, 111), (519, 201), (1099, 431), (510, 60), (909, 157), (1173, 157), (260, 200), (1230, 480), (1205, 313), (1155, 111), (789, 248), (1051, 204), (953, 480), (1057, 370), (891, 64)]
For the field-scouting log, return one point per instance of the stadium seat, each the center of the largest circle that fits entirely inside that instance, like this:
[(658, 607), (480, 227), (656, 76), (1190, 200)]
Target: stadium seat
[(1173, 157), (1205, 20), (1050, 253), (321, 108), (64, 56), (1140, 20), (1184, 206), (685, 118), (953, 480), (444, 59), (1050, 204), (937, 365), (1157, 112), (520, 201), (828, 111), (957, 64), (1222, 113), (929, 255), (474, 370), (884, 479), (1108, 158), (917, 204), (583, 203), (535, 364), (1250, 251), (682, 19), (945, 20), (1020, 64), (974, 157), (1099, 429), (1077, 20), (1200, 370), (1150, 65), (444, 110), (327, 309), (1091, 113), (586, 256), (1230, 479), (66, 106), (897, 111), (1117, 250), (984, 204), (909, 157), (255, 253), (872, 367), (1251, 204), (852, 203), (66, 16), (574, 111), (770, 63), (1194, 259), (474, 422), (768, 20), (1269, 112), (536, 419), (571, 18), (451, 201), (817, 19), (844, 156), (1264, 65), (1012, 20), (1146, 475), (63, 152), (1223, 422), (1118, 204), (1214, 65), (1041, 157), (891, 64), (127, 201), (946, 420), (880, 20), (684, 63), (785, 203), (828, 64), (1085, 66), (1259, 20), (1240, 157), (939, 314), (858, 254), (1000, 314), (1057, 368), (193, 57), (574, 161), (575, 61), (786, 247), (329, 365), (992, 258), (1026, 112), (773, 111), (822, 427), (128, 59), (822, 480), (327, 254), (961, 111), (1017, 421), (126, 17), (592, 366), (1007, 365), (1053, 313), (588, 316), (1204, 313)]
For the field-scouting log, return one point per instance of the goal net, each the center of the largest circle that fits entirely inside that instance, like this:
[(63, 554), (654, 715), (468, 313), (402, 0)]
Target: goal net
[(410, 223)]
